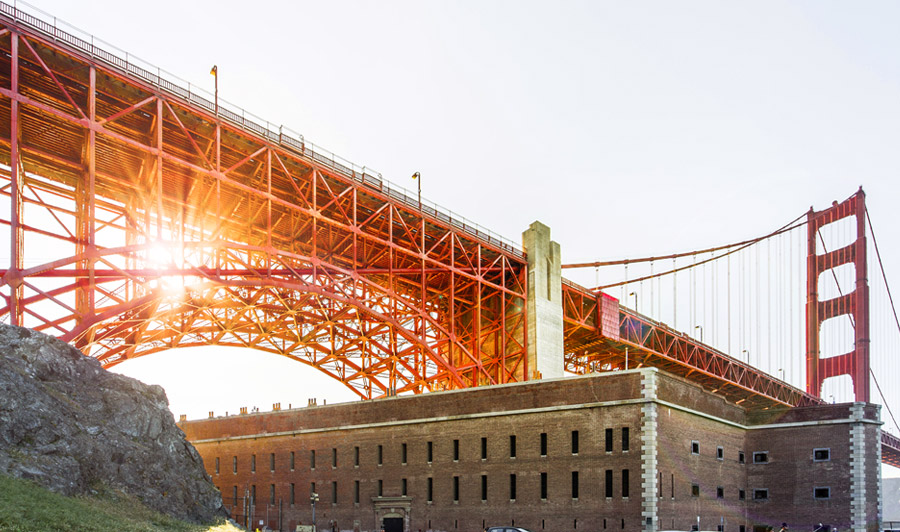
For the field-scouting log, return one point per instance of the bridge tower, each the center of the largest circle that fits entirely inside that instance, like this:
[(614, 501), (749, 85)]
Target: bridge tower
[(855, 304)]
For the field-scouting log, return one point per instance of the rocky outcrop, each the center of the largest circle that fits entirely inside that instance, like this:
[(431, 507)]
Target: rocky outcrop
[(76, 428)]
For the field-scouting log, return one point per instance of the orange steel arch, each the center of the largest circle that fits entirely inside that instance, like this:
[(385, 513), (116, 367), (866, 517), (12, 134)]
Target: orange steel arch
[(144, 217)]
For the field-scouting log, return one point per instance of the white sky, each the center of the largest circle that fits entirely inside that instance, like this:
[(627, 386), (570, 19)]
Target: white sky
[(629, 128)]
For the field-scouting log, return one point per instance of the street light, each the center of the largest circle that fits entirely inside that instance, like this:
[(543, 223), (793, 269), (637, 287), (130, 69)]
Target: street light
[(748, 355), (215, 74), (782, 373), (701, 332), (418, 177), (313, 499), (635, 300)]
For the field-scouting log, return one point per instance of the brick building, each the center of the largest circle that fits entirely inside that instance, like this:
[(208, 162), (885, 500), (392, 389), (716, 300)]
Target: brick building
[(632, 450)]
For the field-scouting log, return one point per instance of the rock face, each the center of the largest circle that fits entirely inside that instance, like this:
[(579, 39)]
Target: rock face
[(76, 428)]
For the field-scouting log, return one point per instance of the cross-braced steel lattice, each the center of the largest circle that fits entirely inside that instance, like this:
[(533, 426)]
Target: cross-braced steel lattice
[(142, 217)]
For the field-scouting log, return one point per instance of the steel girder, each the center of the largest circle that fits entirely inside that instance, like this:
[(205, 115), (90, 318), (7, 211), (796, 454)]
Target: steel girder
[(593, 345), (141, 221)]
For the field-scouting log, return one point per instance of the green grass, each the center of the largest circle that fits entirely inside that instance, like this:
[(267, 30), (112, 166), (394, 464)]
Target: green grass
[(27, 507)]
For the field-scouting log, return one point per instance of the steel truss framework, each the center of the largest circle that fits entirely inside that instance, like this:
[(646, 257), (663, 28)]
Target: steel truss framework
[(140, 222), (142, 218)]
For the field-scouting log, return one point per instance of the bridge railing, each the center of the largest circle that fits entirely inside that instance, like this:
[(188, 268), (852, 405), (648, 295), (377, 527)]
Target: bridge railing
[(87, 44)]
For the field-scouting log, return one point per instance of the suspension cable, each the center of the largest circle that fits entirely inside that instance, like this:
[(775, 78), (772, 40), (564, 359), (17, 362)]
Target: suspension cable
[(783, 229), (790, 226), (893, 308)]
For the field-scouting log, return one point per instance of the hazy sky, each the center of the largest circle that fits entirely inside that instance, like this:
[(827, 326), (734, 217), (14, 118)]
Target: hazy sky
[(630, 128)]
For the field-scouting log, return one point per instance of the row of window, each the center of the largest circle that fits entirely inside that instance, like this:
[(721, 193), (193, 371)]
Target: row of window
[(760, 494), (624, 484), (429, 451), (761, 457)]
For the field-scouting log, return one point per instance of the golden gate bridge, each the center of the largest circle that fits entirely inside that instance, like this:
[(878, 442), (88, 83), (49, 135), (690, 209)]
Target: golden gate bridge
[(143, 216)]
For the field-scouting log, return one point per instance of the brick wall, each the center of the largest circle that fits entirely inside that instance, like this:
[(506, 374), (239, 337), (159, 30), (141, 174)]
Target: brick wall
[(592, 405)]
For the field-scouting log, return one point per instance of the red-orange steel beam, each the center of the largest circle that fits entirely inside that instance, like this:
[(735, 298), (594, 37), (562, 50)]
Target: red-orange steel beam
[(260, 229)]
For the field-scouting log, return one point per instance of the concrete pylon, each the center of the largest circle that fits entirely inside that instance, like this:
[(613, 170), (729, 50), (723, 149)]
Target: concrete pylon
[(545, 312)]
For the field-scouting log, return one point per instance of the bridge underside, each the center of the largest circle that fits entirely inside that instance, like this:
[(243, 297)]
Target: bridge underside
[(144, 217)]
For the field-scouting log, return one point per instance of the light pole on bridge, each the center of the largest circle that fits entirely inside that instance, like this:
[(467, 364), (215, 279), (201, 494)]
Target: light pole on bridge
[(418, 177), (215, 74), (701, 332), (635, 300)]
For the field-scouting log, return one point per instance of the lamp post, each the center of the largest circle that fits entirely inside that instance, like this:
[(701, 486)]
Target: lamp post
[(215, 74), (418, 177), (701, 332), (748, 355), (313, 499), (635, 300)]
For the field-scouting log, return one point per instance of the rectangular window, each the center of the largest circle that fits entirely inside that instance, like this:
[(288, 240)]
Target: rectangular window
[(430, 457), (760, 495), (253, 494), (512, 487), (234, 495), (673, 485), (761, 457), (271, 461), (720, 492), (312, 488), (380, 454), (720, 453), (403, 487), (512, 446), (234, 464), (217, 465), (609, 483), (292, 460), (819, 455), (742, 528), (483, 488), (695, 447), (543, 444), (356, 456), (312, 459), (544, 486), (456, 450), (334, 492), (333, 457), (253, 463), (742, 495), (380, 488), (821, 493), (741, 458), (625, 482), (720, 528), (293, 500), (574, 442), (695, 490), (455, 489), (574, 484), (484, 448), (403, 454), (356, 492), (609, 440), (625, 439), (430, 489), (271, 493)]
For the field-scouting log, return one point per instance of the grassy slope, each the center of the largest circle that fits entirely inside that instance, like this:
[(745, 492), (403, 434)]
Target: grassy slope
[(27, 507)]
